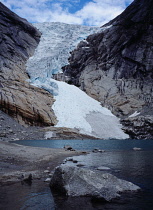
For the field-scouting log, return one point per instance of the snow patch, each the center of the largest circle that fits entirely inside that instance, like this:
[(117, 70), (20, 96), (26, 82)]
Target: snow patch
[(72, 107), (134, 114), (49, 134)]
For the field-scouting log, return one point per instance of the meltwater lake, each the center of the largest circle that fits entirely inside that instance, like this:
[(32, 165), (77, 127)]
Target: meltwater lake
[(119, 156), (89, 145)]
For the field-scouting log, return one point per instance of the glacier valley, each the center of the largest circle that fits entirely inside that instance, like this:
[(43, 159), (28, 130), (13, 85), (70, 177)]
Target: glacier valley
[(73, 107)]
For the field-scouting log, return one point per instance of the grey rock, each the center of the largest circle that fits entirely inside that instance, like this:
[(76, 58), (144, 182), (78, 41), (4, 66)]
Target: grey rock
[(27, 178), (139, 127), (68, 147), (46, 171), (103, 168), (98, 150), (69, 159), (116, 68), (18, 41), (80, 165), (137, 148), (47, 180), (3, 135), (74, 181), (75, 161)]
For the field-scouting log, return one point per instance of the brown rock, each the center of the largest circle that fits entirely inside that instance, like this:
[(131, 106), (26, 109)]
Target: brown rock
[(26, 103)]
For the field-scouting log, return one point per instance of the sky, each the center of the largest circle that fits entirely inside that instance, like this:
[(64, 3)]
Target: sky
[(82, 12)]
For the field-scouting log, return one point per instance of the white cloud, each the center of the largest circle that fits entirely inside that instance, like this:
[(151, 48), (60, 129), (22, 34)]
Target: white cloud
[(94, 12)]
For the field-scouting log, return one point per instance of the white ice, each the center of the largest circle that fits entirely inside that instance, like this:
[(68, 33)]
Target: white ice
[(53, 51), (73, 107)]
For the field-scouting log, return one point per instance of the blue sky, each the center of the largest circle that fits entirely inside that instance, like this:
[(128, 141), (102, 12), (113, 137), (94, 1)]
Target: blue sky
[(83, 12)]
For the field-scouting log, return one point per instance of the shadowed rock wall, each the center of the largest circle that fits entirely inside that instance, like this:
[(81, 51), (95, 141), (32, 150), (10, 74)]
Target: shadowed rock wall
[(115, 66), (26, 103)]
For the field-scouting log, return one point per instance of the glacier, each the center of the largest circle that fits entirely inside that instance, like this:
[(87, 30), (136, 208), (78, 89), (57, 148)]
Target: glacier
[(53, 51), (72, 107)]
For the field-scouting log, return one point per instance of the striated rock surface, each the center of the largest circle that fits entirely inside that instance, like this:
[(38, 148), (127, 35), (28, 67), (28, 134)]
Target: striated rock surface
[(26, 103), (139, 127), (73, 181), (115, 66)]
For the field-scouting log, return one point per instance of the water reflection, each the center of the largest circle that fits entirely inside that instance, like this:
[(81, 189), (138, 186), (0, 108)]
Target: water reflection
[(36, 196), (134, 166)]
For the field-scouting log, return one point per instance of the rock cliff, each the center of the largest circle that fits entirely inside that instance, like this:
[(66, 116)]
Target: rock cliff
[(26, 103), (115, 66)]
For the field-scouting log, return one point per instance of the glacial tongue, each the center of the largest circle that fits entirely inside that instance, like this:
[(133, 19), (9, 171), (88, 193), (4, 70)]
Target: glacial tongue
[(72, 107)]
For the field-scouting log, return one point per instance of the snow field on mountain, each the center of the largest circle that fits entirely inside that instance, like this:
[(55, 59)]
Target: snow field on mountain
[(72, 106)]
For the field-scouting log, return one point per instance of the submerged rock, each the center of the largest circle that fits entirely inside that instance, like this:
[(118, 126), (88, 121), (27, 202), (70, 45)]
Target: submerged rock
[(137, 148), (75, 181), (103, 168)]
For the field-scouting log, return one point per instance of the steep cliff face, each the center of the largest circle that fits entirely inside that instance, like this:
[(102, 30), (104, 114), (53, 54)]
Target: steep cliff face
[(115, 66), (18, 40)]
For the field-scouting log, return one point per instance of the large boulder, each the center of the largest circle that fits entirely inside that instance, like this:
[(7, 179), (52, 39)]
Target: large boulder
[(18, 41), (74, 181)]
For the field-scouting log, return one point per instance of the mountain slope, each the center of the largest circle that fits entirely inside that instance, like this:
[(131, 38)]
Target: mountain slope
[(116, 67), (72, 107), (18, 40)]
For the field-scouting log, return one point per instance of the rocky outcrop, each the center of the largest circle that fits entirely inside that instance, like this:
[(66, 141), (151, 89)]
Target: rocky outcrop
[(115, 66), (139, 127), (73, 181), (26, 103)]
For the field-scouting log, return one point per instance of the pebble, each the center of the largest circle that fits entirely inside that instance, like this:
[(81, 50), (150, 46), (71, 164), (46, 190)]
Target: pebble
[(69, 159), (47, 180), (97, 150), (137, 149), (79, 165), (103, 168), (46, 171)]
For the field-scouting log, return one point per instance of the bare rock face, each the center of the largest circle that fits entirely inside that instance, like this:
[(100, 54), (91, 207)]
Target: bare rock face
[(26, 103), (139, 127), (74, 181), (115, 66)]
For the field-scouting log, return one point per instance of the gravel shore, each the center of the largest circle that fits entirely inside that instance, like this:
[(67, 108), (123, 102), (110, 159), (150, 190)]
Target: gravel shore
[(17, 160)]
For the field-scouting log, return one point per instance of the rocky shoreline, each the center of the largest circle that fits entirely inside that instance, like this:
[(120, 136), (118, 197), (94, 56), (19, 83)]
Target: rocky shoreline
[(17, 160)]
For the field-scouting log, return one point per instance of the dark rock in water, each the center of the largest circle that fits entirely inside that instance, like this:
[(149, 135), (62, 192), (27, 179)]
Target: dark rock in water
[(115, 66), (98, 150), (26, 179), (26, 103), (75, 181), (68, 147)]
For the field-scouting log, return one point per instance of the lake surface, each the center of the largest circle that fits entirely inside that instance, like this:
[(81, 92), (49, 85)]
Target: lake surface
[(89, 145), (134, 166)]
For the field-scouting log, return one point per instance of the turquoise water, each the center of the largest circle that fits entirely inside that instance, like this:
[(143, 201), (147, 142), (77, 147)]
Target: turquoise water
[(134, 166), (89, 145)]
